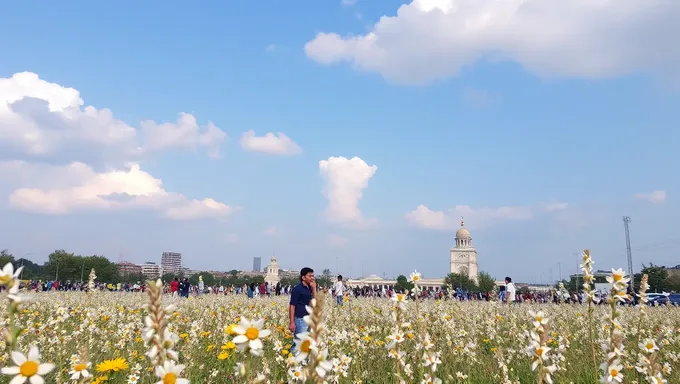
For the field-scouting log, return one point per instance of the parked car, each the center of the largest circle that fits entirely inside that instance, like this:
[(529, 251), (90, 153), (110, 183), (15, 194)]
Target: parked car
[(657, 299), (674, 299)]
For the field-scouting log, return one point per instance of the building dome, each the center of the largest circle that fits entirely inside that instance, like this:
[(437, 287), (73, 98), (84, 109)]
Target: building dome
[(462, 233)]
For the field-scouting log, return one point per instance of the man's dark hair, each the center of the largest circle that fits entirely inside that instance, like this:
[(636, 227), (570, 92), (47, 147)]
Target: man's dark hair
[(304, 271), (340, 277), (509, 280)]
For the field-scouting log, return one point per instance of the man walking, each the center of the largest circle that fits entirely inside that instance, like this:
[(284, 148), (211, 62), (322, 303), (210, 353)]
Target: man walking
[(338, 290), (510, 290), (300, 298)]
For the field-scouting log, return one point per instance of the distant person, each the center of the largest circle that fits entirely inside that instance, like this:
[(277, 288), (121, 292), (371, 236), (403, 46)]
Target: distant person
[(277, 290), (251, 290), (510, 290), (186, 287), (174, 285), (338, 290), (300, 298)]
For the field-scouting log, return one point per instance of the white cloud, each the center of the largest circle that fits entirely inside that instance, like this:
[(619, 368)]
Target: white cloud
[(435, 39), (271, 231), (270, 143), (344, 182), (424, 217), (554, 207), (59, 157), (336, 240), (77, 187), (43, 120), (656, 197), (348, 3)]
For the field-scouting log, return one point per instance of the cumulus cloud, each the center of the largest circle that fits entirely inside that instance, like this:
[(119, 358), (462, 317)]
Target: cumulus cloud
[(656, 197), (53, 189), (427, 218), (344, 183), (58, 156), (44, 121), (435, 39), (273, 144)]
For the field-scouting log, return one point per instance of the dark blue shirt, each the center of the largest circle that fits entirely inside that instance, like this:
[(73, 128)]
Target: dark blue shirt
[(301, 296)]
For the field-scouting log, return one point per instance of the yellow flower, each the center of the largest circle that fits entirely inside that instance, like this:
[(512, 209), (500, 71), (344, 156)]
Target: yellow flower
[(230, 329), (114, 365), (223, 355), (100, 379)]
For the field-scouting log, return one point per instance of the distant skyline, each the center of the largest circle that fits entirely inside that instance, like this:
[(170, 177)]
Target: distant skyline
[(348, 135)]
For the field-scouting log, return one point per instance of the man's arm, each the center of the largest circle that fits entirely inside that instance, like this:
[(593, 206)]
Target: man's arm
[(294, 298), (313, 286)]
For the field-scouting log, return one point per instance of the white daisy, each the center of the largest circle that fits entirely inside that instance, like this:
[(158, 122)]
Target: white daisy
[(169, 373), (79, 370), (27, 367), (249, 334), (7, 274)]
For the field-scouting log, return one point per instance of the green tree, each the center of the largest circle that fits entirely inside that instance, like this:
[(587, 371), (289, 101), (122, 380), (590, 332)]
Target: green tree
[(485, 282), (208, 279), (460, 281), (133, 278), (657, 277), (5, 257), (292, 281), (167, 277), (325, 280), (31, 271), (673, 283), (403, 284)]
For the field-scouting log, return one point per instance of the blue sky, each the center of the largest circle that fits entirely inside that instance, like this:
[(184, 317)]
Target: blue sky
[(542, 139)]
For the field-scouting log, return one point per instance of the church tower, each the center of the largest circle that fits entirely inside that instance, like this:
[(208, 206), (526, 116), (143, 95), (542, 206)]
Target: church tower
[(272, 276), (464, 255)]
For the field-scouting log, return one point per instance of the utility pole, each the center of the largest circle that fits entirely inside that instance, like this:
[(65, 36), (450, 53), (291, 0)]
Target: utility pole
[(56, 277), (82, 270), (559, 265), (626, 221)]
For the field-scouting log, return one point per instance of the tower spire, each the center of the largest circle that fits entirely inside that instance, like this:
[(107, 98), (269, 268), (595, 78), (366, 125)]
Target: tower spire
[(462, 221)]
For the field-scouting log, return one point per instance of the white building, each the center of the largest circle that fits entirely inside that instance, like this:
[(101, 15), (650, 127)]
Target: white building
[(377, 282), (151, 270), (463, 259), (272, 276), (171, 262), (464, 255)]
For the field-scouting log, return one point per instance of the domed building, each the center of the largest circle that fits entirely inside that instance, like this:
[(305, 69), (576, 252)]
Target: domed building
[(272, 276), (463, 254)]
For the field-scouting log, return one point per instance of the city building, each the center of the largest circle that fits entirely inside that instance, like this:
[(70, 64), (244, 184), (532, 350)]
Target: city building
[(272, 276), (171, 262), (673, 271), (464, 255), (599, 274), (257, 264), (127, 268), (377, 282), (151, 270)]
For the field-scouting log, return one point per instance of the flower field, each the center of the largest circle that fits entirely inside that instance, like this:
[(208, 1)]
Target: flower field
[(150, 338)]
